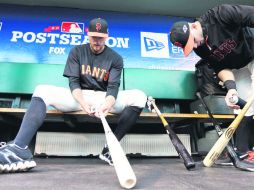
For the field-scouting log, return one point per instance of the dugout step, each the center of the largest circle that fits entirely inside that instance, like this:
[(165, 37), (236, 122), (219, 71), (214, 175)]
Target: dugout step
[(85, 144)]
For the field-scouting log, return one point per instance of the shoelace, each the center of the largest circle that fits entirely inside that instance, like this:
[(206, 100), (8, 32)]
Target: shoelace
[(250, 155), (107, 155), (2, 144)]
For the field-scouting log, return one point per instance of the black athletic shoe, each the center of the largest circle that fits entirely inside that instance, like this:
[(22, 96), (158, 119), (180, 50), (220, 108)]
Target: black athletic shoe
[(224, 160), (15, 159), (105, 155)]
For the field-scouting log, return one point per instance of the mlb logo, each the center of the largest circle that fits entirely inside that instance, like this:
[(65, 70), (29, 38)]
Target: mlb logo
[(154, 45), (72, 27)]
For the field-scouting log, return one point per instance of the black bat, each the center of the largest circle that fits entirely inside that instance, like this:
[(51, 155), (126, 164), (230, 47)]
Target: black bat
[(232, 154), (181, 150)]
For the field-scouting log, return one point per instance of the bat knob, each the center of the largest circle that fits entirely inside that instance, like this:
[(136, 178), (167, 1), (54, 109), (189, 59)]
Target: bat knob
[(149, 103), (233, 99), (238, 101), (93, 109), (150, 98)]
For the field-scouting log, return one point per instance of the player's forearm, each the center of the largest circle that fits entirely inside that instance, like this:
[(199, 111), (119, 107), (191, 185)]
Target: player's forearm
[(110, 101), (106, 107), (226, 74), (228, 78), (77, 94)]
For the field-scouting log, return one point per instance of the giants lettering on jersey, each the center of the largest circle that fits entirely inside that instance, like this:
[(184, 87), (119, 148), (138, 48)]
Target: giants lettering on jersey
[(224, 49), (94, 72)]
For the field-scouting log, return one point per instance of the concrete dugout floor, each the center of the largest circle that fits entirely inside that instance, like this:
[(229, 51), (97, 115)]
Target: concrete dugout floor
[(152, 173)]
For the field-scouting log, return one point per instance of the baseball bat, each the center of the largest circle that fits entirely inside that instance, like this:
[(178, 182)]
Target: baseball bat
[(223, 140), (122, 166), (181, 150), (232, 154)]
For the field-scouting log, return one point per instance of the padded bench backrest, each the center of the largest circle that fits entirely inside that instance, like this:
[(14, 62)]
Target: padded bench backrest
[(22, 78), (164, 84)]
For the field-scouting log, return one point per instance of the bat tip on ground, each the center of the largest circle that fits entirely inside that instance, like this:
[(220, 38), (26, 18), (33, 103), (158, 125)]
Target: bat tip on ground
[(191, 167), (130, 183)]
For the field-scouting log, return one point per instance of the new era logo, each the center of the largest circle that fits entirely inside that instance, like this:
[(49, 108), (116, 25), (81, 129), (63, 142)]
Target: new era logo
[(154, 45)]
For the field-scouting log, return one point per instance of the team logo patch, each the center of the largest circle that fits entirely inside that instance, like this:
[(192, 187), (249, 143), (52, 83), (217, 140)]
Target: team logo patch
[(185, 28), (154, 45), (98, 26)]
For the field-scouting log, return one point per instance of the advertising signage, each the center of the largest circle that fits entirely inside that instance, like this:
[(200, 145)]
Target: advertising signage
[(45, 35)]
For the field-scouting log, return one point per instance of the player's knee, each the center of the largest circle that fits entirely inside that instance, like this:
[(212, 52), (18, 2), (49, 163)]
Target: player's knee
[(43, 92), (140, 98), (40, 90)]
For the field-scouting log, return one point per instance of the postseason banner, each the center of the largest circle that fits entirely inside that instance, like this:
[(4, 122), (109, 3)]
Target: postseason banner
[(44, 35)]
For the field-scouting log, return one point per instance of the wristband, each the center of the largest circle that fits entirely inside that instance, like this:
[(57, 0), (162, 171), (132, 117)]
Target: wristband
[(230, 84)]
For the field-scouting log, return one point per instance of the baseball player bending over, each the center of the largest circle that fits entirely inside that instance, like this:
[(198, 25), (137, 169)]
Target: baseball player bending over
[(224, 38), (94, 72)]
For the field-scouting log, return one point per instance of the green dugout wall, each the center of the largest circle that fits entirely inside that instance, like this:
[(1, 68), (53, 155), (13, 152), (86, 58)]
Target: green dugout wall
[(22, 78)]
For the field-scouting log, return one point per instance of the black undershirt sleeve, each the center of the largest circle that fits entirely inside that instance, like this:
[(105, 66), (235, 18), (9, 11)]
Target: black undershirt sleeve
[(72, 67), (115, 78), (74, 83)]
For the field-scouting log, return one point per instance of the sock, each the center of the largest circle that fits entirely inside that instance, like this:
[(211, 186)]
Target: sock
[(127, 119), (105, 149), (251, 134), (31, 122)]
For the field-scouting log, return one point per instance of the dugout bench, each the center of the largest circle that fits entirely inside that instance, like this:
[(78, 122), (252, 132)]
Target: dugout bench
[(174, 92)]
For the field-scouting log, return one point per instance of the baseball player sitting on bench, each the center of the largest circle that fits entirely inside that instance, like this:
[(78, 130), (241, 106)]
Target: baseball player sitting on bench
[(94, 72)]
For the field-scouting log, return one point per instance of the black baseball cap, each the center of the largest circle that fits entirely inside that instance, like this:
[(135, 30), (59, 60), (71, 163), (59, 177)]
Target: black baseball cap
[(98, 27), (181, 36)]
